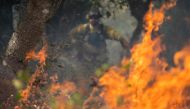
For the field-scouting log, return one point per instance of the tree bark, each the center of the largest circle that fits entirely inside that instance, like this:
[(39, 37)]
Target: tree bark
[(29, 31), (27, 35)]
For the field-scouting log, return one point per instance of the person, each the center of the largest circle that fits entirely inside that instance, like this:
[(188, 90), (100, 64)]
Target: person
[(90, 39)]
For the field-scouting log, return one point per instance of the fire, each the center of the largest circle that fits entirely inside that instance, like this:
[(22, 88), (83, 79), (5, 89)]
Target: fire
[(41, 55), (56, 96), (147, 83), (141, 82), (62, 92)]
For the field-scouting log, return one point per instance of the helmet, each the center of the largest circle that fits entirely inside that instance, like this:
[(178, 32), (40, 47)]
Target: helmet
[(94, 13)]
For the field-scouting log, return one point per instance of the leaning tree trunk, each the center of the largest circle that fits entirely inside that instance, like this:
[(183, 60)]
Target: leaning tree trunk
[(29, 31), (25, 38)]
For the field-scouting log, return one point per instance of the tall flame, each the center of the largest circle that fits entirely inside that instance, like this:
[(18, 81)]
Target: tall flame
[(141, 82), (147, 83)]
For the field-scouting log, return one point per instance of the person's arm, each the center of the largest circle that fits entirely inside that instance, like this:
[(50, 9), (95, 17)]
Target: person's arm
[(76, 32), (114, 35)]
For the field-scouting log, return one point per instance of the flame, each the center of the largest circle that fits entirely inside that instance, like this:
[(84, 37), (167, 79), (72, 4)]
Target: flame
[(63, 91), (32, 95), (141, 82), (41, 55), (147, 83)]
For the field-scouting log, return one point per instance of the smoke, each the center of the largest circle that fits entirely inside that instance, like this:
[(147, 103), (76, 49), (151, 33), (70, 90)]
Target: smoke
[(175, 30), (124, 23)]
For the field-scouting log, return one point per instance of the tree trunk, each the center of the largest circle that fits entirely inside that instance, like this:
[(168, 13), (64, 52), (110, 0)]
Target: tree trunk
[(29, 31), (26, 36)]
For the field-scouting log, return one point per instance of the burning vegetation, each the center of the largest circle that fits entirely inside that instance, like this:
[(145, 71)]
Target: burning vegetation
[(144, 80), (147, 82)]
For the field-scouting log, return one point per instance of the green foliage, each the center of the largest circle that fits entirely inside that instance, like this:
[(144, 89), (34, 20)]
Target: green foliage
[(18, 84), (100, 71), (1, 105), (96, 3), (76, 99), (127, 66), (18, 96), (105, 66), (52, 103), (23, 75), (110, 6), (120, 101), (22, 79)]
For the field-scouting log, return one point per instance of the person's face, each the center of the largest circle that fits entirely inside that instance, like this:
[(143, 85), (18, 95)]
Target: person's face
[(94, 20)]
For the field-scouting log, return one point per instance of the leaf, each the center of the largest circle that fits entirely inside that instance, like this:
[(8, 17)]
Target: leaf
[(105, 66), (24, 75), (76, 99), (98, 72), (17, 84), (18, 96), (53, 103), (120, 100)]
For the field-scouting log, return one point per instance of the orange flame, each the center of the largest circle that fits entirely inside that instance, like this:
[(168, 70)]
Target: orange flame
[(146, 84), (64, 91), (41, 55), (60, 92)]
